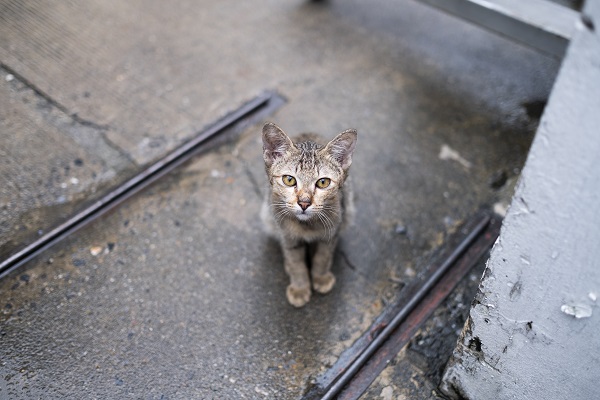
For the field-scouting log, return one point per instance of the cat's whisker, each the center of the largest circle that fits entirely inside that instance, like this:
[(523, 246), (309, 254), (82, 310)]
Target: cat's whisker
[(330, 213), (277, 205), (328, 224), (281, 213), (331, 209), (325, 224), (333, 218)]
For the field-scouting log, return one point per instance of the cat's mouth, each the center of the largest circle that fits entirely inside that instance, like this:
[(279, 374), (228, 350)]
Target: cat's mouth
[(303, 215)]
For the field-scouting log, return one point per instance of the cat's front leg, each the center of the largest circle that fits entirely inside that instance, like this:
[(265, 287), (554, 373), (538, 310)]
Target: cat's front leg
[(322, 260), (298, 291)]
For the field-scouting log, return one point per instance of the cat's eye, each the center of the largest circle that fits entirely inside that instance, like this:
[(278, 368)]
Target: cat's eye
[(322, 183), (289, 180)]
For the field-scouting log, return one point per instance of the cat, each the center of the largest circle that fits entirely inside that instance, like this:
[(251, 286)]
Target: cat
[(308, 203)]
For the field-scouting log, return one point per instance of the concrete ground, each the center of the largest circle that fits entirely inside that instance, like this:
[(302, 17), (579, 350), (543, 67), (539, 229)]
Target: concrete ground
[(178, 293)]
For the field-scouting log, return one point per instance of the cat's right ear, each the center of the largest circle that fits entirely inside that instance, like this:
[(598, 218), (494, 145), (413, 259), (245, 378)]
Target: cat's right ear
[(275, 143)]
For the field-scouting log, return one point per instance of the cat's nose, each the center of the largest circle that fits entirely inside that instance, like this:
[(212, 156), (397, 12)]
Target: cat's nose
[(304, 204)]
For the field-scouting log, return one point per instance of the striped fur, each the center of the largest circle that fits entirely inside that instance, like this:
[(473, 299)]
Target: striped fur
[(304, 215)]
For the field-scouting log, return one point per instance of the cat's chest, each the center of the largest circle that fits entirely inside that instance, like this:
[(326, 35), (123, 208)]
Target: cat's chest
[(308, 232)]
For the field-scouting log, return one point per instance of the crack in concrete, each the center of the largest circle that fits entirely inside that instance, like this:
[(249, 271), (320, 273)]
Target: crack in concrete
[(347, 260), (479, 355), (252, 179), (52, 101), (353, 267), (100, 128), (113, 146)]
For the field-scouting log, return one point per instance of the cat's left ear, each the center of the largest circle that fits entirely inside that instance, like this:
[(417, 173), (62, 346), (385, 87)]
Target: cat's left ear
[(342, 147)]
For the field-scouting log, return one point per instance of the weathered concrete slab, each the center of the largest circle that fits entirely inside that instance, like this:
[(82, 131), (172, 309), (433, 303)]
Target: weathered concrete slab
[(124, 66), (533, 329), (153, 74), (142, 77), (185, 296), (50, 164), (151, 77)]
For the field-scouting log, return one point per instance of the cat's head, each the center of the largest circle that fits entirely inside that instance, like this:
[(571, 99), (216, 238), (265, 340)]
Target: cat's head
[(306, 177)]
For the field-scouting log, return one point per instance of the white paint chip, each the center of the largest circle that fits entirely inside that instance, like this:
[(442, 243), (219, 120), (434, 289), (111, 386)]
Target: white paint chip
[(593, 296), (448, 153), (500, 209), (525, 260), (577, 310)]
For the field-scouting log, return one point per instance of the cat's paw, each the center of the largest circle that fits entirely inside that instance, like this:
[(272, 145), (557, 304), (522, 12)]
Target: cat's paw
[(323, 283), (298, 296)]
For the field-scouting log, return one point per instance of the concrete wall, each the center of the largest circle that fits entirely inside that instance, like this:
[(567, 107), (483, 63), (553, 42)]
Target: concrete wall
[(534, 328)]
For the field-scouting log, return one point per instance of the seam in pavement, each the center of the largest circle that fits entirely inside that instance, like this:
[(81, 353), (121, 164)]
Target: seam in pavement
[(76, 118)]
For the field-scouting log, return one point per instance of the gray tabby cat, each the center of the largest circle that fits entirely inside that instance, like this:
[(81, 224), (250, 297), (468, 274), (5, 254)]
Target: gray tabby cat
[(307, 205)]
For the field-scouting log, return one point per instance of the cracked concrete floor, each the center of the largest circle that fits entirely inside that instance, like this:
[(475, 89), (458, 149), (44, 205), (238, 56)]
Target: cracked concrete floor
[(178, 294)]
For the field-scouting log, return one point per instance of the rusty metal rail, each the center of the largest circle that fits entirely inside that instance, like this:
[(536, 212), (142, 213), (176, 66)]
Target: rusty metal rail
[(249, 113), (358, 366)]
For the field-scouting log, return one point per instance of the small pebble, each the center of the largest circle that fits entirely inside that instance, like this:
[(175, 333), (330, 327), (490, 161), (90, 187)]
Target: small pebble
[(78, 262), (500, 209), (96, 250), (401, 230), (9, 77)]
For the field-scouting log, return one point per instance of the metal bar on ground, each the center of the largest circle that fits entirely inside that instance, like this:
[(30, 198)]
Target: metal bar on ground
[(540, 24), (326, 380), (421, 313), (447, 266), (256, 108)]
